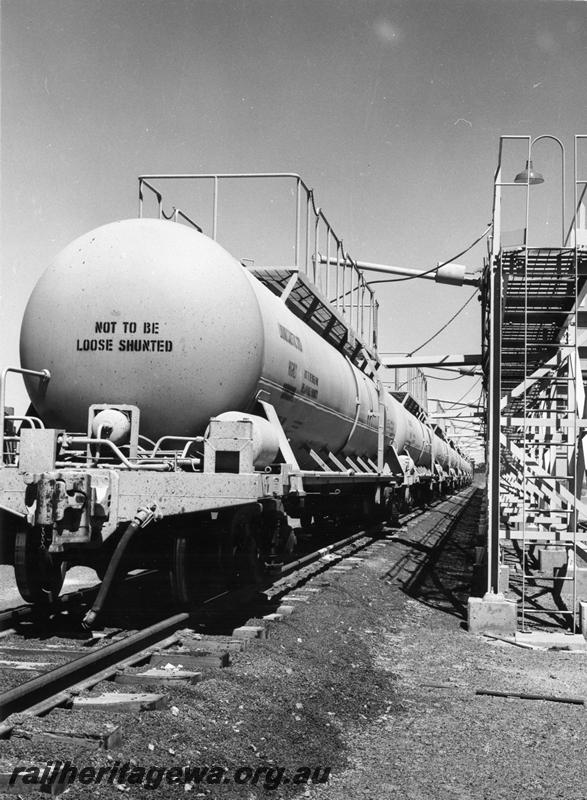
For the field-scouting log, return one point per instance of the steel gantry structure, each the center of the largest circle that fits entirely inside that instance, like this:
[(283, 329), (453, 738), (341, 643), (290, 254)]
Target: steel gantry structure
[(532, 299)]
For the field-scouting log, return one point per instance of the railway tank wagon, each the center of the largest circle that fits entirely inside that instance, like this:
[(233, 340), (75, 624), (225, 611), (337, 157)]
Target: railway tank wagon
[(171, 384)]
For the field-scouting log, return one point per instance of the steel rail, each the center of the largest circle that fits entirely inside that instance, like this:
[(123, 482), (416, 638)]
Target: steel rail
[(56, 686), (316, 555), (300, 563), (27, 612), (434, 553), (292, 566), (67, 675)]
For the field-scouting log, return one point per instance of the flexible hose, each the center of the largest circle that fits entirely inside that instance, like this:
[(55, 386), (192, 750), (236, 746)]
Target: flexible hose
[(142, 517)]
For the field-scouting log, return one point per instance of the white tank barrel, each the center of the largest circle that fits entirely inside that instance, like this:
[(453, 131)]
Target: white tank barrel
[(155, 314)]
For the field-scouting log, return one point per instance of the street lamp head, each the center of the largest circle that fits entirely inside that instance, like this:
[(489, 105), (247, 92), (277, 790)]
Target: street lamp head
[(529, 176)]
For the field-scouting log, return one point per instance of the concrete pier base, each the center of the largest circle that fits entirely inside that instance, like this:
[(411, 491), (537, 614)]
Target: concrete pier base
[(565, 588), (492, 613)]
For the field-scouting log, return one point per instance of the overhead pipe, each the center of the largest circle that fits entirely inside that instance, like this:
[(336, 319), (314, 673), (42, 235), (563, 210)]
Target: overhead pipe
[(454, 274)]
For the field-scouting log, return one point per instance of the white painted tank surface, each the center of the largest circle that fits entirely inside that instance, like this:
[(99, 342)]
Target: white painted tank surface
[(144, 312), (441, 449), (155, 314)]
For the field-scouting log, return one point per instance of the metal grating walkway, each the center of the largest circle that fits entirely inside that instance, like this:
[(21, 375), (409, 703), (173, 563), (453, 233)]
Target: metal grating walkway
[(538, 298), (306, 301)]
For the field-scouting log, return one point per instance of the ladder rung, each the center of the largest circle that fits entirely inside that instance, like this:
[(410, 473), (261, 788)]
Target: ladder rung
[(543, 422), (559, 542), (546, 512), (535, 413), (555, 611), (540, 439), (543, 444), (536, 537), (529, 345), (536, 542), (531, 312), (532, 478)]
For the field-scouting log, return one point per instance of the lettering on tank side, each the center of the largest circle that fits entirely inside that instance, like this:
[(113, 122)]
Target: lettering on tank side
[(145, 345), (309, 391), (93, 345), (310, 382), (93, 342), (310, 385), (290, 337)]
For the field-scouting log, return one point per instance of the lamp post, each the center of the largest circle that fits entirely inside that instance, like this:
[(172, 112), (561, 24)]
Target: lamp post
[(530, 177)]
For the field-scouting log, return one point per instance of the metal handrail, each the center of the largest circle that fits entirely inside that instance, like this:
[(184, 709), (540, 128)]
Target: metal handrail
[(187, 440), (175, 213), (577, 200), (66, 440), (44, 375), (34, 422), (358, 307)]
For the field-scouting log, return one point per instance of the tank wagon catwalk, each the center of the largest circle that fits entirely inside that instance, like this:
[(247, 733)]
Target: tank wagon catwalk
[(172, 385)]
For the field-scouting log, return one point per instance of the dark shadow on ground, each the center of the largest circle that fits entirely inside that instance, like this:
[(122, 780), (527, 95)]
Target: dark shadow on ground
[(438, 570)]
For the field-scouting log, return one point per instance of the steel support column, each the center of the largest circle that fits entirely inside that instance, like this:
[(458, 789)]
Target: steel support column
[(494, 421)]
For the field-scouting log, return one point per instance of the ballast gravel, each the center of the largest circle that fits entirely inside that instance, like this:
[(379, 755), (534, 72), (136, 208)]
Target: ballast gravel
[(373, 682)]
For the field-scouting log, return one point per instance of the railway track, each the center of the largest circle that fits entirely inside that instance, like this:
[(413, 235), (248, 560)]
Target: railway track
[(174, 650), (69, 603)]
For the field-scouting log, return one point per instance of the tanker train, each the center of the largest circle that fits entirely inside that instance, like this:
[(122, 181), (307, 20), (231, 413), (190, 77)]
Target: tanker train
[(171, 385)]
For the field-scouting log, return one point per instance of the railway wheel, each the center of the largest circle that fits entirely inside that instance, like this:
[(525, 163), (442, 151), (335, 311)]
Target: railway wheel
[(186, 553), (306, 519), (209, 562), (407, 501), (391, 508), (426, 495), (240, 557), (39, 574)]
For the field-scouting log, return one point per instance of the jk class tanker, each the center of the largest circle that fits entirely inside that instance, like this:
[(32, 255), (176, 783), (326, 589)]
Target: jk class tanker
[(186, 409)]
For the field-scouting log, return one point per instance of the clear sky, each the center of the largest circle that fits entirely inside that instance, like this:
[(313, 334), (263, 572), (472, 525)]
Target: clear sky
[(391, 110)]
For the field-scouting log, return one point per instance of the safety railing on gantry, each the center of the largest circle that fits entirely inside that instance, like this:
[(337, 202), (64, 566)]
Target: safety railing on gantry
[(536, 398), (333, 298)]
